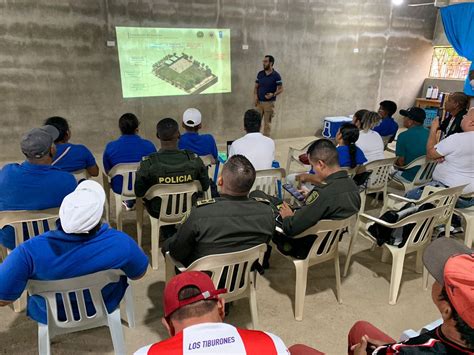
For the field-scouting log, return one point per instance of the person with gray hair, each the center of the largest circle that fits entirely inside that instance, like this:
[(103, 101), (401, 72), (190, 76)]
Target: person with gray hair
[(369, 141), (81, 245)]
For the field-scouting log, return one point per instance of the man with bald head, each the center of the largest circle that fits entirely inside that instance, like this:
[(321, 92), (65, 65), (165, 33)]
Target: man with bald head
[(230, 223)]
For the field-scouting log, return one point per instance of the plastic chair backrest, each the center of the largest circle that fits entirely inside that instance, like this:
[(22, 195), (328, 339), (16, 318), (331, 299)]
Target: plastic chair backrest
[(33, 222), (380, 173), (211, 163), (72, 293), (328, 233), (266, 180), (441, 197), (128, 173), (230, 270), (176, 199), (81, 175), (425, 173)]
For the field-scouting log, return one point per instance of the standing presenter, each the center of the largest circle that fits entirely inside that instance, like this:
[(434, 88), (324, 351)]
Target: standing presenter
[(267, 87)]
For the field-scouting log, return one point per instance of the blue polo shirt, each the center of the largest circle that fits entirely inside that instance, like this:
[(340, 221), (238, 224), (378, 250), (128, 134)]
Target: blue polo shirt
[(28, 186), (129, 148), (78, 157), (387, 127), (57, 255), (201, 144), (411, 144), (267, 83), (345, 158)]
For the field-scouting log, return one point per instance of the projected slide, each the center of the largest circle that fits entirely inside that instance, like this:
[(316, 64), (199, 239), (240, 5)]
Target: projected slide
[(173, 61)]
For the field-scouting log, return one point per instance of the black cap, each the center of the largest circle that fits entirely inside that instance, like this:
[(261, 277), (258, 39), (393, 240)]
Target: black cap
[(416, 114)]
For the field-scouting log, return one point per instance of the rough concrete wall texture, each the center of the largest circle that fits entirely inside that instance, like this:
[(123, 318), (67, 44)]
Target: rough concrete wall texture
[(54, 61)]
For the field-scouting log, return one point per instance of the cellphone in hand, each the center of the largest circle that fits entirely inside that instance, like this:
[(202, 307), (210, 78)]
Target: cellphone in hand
[(294, 192)]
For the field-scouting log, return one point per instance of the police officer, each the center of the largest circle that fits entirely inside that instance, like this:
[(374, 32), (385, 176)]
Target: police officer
[(336, 196), (229, 223), (168, 166)]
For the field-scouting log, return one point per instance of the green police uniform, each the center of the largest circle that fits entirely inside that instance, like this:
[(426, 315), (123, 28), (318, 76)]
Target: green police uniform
[(337, 198), (168, 166), (221, 225)]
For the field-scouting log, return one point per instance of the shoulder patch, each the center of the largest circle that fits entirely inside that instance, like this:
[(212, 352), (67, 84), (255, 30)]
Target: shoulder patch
[(313, 196), (205, 202), (145, 158), (185, 217), (259, 199)]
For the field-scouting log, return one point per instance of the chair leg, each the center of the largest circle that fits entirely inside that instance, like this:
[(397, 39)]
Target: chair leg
[(155, 240), (129, 305), (385, 255), (20, 304), (253, 305), (139, 211), (338, 277), (425, 278), (396, 277), (118, 212), (419, 261), (44, 344), (447, 227), (115, 326), (468, 232), (169, 269), (350, 250), (301, 267)]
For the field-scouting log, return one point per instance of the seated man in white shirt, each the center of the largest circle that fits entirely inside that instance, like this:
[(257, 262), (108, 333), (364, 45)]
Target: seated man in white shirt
[(455, 155), (257, 148)]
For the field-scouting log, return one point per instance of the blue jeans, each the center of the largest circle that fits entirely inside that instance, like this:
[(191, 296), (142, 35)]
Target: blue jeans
[(415, 194)]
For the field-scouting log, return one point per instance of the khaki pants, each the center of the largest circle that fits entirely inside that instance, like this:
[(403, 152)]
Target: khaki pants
[(267, 111)]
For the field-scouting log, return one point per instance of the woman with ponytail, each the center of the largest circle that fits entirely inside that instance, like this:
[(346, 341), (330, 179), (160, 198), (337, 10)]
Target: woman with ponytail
[(349, 154), (369, 141)]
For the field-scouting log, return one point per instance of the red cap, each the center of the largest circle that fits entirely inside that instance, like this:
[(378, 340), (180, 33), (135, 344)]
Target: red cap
[(197, 279), (459, 285)]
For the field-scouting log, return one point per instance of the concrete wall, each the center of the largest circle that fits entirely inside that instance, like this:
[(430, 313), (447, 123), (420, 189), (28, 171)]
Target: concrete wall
[(54, 61)]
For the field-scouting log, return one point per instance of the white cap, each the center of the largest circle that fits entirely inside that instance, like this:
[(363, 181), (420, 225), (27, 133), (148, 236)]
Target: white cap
[(192, 117), (82, 209)]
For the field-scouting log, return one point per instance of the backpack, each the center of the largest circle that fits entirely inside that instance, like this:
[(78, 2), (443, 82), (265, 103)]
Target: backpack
[(397, 236)]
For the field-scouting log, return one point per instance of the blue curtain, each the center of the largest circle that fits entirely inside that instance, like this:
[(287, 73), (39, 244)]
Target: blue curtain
[(458, 21)]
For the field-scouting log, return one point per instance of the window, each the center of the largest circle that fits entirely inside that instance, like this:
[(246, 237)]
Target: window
[(447, 64)]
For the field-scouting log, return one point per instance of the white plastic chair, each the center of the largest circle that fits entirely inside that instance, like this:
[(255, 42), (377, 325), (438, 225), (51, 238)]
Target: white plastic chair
[(81, 175), (378, 179), (176, 201), (35, 223), (128, 173), (467, 214), (423, 176), (328, 232), (267, 180), (424, 223), (232, 270), (386, 140), (293, 154), (78, 286)]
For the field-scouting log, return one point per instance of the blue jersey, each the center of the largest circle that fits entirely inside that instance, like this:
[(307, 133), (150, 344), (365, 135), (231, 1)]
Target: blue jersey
[(129, 148), (387, 127), (201, 144), (57, 255), (76, 157), (345, 158), (28, 187), (267, 84)]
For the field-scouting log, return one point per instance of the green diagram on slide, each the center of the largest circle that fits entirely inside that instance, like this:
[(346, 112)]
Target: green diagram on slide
[(173, 61)]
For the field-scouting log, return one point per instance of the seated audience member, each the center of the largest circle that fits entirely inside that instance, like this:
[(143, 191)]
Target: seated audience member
[(456, 105), (232, 222), (82, 245), (369, 141), (33, 184), (452, 266), (201, 144), (455, 160), (335, 196), (193, 317), (71, 157), (129, 148), (169, 165), (411, 144), (388, 127), (256, 147)]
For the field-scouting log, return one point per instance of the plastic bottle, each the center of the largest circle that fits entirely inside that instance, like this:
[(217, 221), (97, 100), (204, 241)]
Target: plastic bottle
[(429, 92), (434, 93)]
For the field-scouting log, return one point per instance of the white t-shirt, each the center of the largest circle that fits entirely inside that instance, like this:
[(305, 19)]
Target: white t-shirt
[(257, 148), (217, 338), (371, 144), (458, 166)]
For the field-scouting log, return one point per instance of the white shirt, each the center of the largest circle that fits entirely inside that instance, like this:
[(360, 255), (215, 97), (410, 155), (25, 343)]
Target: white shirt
[(257, 148), (458, 166), (216, 338), (371, 144)]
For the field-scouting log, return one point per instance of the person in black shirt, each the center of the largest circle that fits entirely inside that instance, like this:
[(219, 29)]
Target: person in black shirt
[(456, 105)]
